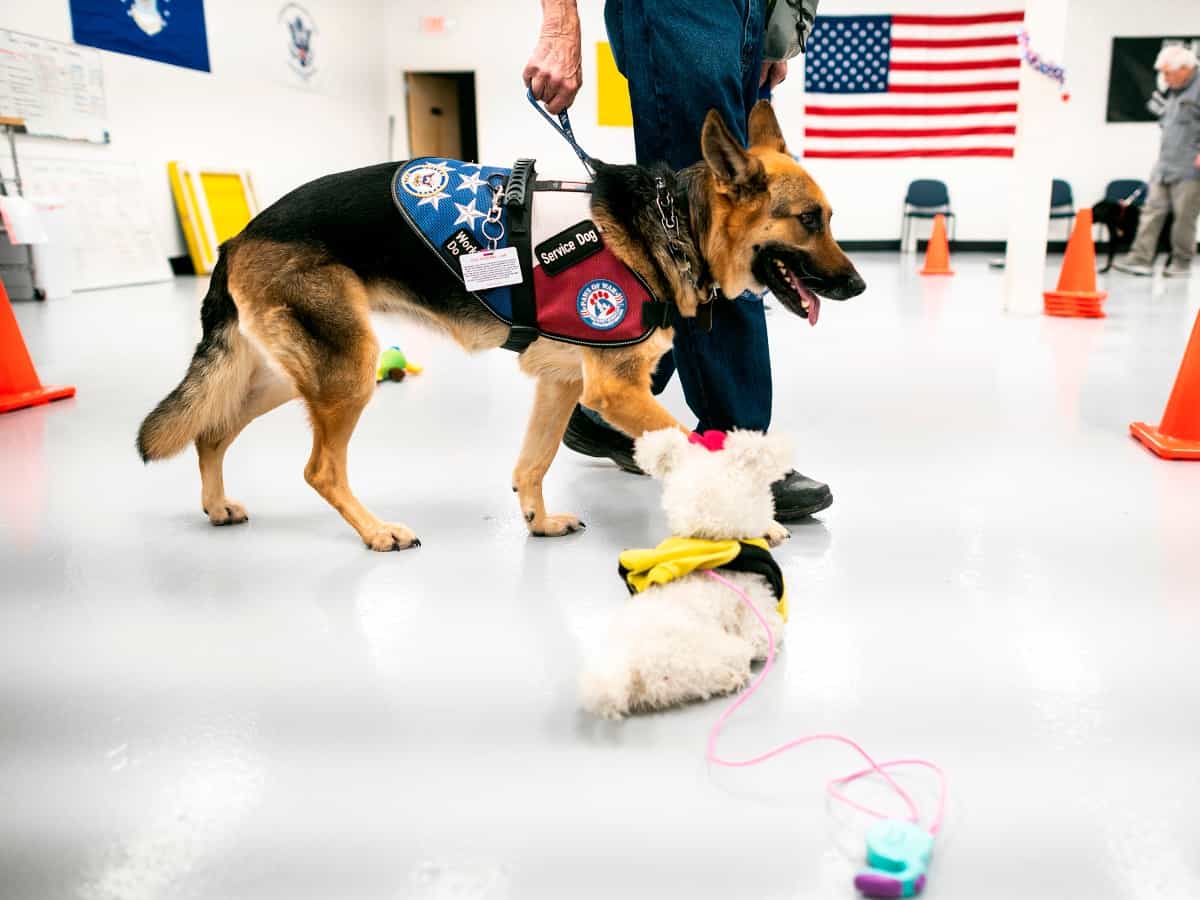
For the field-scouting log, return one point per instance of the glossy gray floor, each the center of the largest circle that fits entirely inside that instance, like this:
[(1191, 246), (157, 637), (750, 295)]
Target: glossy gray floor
[(1006, 584)]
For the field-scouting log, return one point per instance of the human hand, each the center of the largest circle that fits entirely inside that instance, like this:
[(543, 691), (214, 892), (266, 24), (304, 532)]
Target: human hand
[(1198, 160), (773, 74), (554, 71)]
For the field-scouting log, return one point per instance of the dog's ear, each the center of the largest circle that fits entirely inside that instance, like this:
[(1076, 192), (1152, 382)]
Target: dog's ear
[(764, 128), (657, 452), (728, 159), (768, 455)]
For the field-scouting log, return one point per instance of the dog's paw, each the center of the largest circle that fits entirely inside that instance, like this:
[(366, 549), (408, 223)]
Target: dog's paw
[(226, 512), (777, 534), (555, 526), (391, 537)]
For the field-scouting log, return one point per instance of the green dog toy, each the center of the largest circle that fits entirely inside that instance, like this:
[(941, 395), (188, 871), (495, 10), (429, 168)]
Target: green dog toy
[(394, 365)]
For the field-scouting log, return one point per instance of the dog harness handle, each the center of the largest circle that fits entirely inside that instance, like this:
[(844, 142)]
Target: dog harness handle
[(518, 200), (563, 127)]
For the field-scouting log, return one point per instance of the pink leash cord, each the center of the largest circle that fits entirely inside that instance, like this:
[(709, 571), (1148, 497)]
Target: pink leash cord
[(876, 768)]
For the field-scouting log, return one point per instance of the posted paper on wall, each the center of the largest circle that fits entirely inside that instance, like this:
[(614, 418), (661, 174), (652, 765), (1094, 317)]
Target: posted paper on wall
[(22, 223)]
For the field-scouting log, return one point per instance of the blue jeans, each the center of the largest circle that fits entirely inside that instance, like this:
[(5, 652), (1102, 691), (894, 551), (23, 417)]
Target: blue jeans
[(683, 58)]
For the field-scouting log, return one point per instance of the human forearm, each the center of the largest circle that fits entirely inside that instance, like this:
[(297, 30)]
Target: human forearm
[(554, 71), (560, 17)]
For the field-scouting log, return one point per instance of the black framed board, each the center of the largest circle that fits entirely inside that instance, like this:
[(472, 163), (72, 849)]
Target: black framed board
[(1132, 79)]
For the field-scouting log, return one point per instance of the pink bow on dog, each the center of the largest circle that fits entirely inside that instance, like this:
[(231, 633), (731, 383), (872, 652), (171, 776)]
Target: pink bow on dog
[(710, 440)]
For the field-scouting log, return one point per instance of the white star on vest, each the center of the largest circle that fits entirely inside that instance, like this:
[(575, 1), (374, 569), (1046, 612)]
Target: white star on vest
[(433, 200), (467, 214), (476, 166), (470, 182)]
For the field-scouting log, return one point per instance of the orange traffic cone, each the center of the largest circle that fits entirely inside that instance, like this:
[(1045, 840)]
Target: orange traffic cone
[(1178, 437), (19, 385), (937, 252), (1076, 294)]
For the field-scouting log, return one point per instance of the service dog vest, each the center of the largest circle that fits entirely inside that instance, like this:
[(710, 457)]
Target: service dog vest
[(583, 294)]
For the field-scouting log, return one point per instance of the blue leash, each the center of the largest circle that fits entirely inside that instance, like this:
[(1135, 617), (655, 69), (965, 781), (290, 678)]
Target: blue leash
[(563, 127)]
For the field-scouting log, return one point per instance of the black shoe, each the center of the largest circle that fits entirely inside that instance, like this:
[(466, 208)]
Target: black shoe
[(593, 439), (797, 496)]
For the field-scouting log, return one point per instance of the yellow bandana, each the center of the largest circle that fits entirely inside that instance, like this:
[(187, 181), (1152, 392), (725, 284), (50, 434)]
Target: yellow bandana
[(676, 557)]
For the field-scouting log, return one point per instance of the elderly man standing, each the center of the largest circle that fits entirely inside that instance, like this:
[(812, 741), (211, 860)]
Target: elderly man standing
[(1175, 181)]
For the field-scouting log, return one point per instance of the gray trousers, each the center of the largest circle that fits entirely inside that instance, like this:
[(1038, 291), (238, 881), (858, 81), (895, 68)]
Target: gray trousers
[(1182, 198)]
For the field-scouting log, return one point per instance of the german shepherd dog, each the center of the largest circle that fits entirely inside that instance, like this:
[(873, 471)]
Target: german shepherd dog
[(286, 314)]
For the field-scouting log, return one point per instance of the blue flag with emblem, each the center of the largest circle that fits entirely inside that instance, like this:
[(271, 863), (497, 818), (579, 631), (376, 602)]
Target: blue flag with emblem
[(168, 31)]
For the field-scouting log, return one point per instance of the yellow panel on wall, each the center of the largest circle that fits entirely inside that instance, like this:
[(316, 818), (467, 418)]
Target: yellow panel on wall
[(613, 107), (214, 204), (227, 202)]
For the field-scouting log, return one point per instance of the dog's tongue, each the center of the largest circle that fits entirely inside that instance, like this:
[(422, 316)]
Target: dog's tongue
[(814, 304)]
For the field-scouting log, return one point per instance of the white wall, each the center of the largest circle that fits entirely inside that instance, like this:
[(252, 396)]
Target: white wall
[(1090, 153), (250, 112), (494, 40), (1096, 151), (867, 194)]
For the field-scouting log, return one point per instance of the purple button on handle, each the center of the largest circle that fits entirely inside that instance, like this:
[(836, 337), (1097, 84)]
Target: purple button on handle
[(874, 885), (897, 853)]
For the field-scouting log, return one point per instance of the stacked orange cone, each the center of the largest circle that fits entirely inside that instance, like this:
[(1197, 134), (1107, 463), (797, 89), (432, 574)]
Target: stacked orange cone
[(1076, 294), (19, 384), (1178, 436), (937, 252)]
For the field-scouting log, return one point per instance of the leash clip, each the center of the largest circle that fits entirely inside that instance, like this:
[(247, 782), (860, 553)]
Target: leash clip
[(493, 217)]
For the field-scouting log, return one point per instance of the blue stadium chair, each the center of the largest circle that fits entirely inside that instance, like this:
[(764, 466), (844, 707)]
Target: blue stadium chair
[(1124, 188), (1062, 203), (925, 199)]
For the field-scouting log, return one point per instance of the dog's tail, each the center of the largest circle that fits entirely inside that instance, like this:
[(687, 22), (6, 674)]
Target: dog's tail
[(207, 401)]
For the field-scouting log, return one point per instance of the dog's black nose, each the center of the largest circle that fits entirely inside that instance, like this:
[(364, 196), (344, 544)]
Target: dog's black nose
[(844, 287), (854, 285)]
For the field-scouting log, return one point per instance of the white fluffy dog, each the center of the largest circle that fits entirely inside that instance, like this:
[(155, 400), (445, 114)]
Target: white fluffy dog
[(684, 636)]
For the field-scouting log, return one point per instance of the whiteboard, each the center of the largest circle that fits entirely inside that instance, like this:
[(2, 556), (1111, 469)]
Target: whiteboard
[(112, 234), (58, 89)]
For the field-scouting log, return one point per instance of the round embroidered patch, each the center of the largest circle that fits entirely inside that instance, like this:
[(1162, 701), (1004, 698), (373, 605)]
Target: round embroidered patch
[(425, 179), (601, 304)]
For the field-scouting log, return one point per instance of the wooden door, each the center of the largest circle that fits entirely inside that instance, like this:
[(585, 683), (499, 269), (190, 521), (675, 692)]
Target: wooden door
[(434, 126)]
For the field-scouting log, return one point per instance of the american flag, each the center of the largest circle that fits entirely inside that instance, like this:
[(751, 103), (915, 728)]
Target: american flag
[(902, 86)]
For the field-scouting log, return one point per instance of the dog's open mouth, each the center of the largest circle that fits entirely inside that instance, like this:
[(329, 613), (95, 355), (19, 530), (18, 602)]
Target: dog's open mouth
[(779, 274)]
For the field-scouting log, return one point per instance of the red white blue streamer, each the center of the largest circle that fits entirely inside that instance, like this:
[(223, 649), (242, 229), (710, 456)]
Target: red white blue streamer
[(1035, 61)]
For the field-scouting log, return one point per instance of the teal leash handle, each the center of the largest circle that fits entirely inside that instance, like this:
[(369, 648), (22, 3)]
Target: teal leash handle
[(563, 127)]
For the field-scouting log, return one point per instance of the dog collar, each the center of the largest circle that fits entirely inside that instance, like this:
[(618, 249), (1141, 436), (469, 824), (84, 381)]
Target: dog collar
[(664, 199)]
